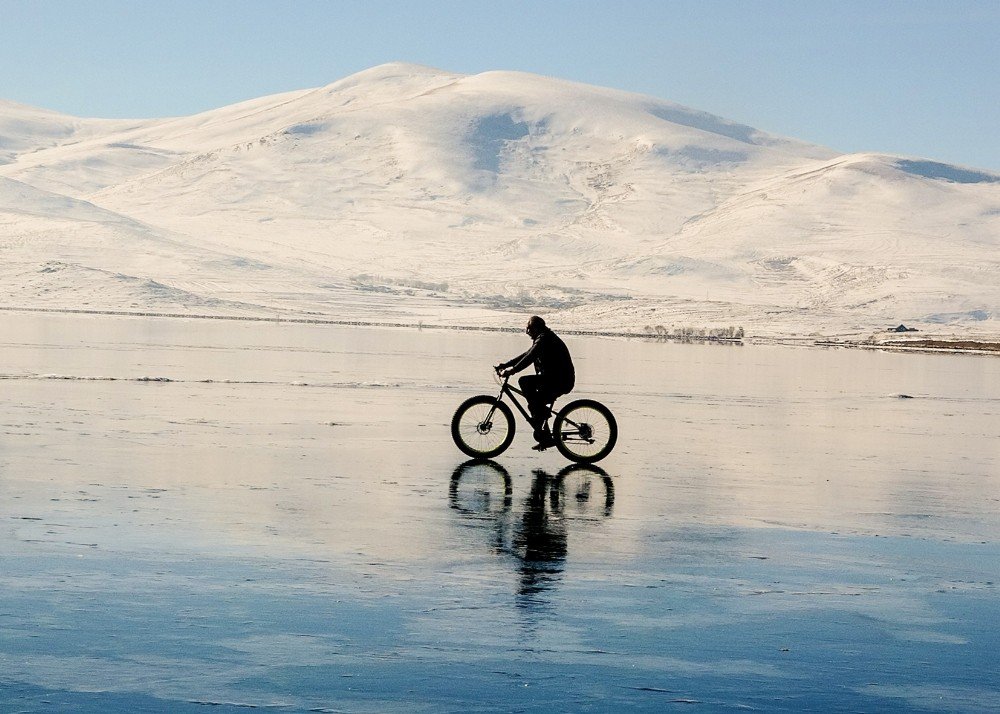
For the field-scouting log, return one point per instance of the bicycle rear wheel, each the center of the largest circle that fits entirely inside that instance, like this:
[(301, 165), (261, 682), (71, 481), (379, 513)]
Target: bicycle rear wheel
[(482, 427), (585, 431)]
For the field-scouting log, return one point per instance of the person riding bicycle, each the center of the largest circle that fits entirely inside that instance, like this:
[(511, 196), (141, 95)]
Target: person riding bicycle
[(554, 376)]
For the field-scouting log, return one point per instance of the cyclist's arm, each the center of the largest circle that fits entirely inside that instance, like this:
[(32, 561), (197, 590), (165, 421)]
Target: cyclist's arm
[(508, 363), (522, 361)]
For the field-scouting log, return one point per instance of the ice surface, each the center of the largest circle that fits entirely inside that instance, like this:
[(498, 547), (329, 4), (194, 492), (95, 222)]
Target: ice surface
[(256, 514)]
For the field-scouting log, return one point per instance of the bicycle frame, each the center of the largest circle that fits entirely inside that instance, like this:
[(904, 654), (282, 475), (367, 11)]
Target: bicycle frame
[(506, 388), (510, 391), (583, 430)]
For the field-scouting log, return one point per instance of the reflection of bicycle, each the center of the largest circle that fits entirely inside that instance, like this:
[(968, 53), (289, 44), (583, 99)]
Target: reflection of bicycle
[(483, 489), (584, 430), (536, 534), (575, 495)]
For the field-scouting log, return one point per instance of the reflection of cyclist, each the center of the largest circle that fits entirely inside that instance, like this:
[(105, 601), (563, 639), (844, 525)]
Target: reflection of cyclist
[(554, 376), (540, 542)]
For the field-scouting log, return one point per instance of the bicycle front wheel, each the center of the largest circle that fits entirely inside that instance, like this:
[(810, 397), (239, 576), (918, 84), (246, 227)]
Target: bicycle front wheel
[(585, 431), (482, 427)]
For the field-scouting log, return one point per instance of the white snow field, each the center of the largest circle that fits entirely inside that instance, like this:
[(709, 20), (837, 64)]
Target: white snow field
[(413, 195)]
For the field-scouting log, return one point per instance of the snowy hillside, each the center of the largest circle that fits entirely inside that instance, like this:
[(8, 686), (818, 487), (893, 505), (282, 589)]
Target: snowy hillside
[(415, 195)]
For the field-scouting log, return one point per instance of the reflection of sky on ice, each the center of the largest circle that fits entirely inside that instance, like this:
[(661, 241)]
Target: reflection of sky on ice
[(776, 529)]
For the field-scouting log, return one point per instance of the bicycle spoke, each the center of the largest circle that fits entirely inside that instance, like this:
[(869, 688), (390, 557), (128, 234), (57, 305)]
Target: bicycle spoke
[(482, 427), (587, 431)]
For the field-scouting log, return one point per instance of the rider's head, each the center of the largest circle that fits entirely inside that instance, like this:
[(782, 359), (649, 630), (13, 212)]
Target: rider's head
[(535, 326)]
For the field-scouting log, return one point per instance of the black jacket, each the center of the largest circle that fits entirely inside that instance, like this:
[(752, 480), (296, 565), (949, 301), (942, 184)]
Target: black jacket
[(551, 359)]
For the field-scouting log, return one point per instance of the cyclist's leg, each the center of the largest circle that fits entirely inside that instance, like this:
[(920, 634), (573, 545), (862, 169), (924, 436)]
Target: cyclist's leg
[(546, 396), (535, 393), (531, 385), (550, 395), (543, 408)]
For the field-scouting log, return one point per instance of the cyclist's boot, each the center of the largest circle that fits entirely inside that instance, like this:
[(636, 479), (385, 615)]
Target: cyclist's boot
[(544, 438)]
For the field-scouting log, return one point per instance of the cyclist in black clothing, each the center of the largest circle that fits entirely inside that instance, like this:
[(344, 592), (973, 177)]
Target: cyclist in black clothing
[(554, 376)]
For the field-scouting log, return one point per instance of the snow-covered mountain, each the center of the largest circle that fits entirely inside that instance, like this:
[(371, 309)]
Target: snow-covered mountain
[(411, 194)]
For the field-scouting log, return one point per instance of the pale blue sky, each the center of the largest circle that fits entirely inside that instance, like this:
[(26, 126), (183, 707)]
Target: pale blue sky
[(903, 76)]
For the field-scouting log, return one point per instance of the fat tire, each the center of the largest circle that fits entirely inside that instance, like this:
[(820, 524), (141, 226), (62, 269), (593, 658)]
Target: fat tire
[(566, 411), (502, 412)]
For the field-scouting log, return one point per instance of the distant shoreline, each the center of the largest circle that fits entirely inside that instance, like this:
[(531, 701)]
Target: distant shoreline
[(341, 323), (921, 345), (926, 345), (942, 345)]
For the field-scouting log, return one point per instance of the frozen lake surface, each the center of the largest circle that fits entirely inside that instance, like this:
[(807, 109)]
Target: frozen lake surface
[(274, 516)]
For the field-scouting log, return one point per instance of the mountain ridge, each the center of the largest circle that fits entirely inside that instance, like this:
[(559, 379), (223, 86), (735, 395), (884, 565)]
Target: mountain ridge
[(518, 192)]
